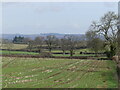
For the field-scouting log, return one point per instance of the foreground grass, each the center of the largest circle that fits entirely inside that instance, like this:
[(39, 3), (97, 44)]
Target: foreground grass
[(57, 73)]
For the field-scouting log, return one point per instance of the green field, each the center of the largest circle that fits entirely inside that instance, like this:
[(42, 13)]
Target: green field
[(24, 46), (33, 53), (15, 46), (57, 73), (17, 53), (5, 52)]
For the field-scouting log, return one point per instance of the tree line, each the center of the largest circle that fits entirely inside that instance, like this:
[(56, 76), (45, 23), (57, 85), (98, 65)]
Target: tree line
[(102, 35), (67, 43)]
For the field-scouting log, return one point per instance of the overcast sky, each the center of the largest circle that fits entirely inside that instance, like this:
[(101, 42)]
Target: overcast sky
[(39, 17)]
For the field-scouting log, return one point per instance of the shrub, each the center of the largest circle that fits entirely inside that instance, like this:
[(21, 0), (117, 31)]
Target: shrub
[(110, 54)]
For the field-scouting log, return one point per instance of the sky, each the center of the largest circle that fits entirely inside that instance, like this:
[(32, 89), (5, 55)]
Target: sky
[(52, 17)]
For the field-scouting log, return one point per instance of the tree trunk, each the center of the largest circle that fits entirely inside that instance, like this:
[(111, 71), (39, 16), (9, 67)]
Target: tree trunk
[(63, 52), (112, 50), (71, 53), (50, 50), (96, 53), (39, 51)]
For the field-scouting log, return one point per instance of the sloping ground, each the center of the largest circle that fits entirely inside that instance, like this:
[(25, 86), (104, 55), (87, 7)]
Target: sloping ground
[(58, 73)]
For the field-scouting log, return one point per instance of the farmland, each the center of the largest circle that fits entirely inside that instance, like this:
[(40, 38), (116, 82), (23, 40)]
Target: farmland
[(58, 73), (15, 46), (60, 45), (24, 68), (19, 49)]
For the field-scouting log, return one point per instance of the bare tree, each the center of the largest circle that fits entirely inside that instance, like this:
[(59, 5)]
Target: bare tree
[(90, 35), (107, 26), (51, 41), (63, 45), (31, 45), (39, 43), (71, 43), (94, 42)]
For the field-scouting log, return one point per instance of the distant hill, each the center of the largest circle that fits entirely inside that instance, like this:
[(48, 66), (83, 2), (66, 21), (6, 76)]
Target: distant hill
[(32, 36)]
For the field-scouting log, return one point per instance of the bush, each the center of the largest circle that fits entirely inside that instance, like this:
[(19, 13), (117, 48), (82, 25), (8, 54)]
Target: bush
[(81, 52), (110, 54)]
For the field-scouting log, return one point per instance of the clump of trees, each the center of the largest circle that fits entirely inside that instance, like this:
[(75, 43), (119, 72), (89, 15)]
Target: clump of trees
[(51, 42), (37, 44), (18, 39), (21, 40), (107, 27), (69, 42)]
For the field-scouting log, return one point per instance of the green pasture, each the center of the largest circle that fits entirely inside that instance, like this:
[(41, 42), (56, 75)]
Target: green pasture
[(15, 46), (17, 53), (5, 52), (24, 46), (57, 73)]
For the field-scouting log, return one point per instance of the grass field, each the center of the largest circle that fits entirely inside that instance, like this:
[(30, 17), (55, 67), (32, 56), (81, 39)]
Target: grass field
[(57, 73), (33, 53), (24, 46), (5, 52), (18, 52), (15, 46)]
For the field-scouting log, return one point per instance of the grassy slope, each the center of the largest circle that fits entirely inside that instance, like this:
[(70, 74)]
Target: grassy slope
[(15, 46), (41, 73)]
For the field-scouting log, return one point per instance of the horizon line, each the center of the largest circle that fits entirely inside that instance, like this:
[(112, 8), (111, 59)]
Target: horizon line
[(39, 33)]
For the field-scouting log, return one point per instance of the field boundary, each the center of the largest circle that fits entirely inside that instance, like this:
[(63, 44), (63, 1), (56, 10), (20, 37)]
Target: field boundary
[(36, 51), (62, 57)]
